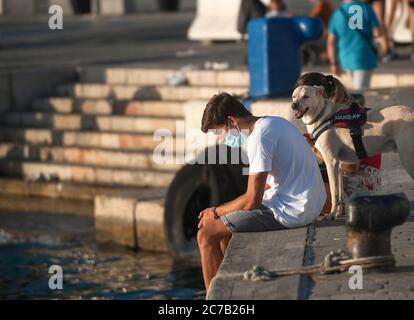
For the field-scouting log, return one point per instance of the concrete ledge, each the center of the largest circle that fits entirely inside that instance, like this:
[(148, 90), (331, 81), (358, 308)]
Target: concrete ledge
[(109, 107), (273, 250), (55, 206), (114, 220), (137, 76), (88, 174), (65, 190), (83, 156), (104, 140), (149, 217), (131, 220), (127, 92), (286, 249), (90, 122), (216, 78)]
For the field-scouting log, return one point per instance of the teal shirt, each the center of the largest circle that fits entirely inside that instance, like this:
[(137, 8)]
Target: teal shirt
[(354, 52)]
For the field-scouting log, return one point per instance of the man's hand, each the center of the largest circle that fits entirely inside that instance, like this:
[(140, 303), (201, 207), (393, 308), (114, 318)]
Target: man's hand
[(203, 214)]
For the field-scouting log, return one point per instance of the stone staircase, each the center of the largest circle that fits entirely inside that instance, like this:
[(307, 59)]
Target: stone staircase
[(93, 142), (102, 133)]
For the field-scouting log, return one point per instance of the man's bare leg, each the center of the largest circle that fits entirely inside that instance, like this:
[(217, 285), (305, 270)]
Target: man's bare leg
[(209, 238), (411, 18), (224, 244), (379, 8), (393, 10)]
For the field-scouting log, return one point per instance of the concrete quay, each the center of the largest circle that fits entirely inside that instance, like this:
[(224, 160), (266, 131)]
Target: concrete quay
[(306, 246)]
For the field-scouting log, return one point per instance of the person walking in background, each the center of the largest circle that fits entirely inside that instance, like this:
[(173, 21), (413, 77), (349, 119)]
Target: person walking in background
[(379, 8), (249, 9), (392, 13), (352, 49), (277, 8), (411, 17), (323, 10)]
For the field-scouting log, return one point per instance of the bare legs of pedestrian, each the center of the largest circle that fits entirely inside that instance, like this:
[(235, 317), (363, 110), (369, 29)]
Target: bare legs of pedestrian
[(379, 8), (361, 79), (411, 18)]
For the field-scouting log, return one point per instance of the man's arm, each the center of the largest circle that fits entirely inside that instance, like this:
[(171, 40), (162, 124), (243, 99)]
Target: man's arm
[(332, 55), (250, 200), (244, 16), (376, 32)]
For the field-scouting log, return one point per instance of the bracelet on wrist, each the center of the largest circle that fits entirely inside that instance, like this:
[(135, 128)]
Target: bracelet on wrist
[(216, 216)]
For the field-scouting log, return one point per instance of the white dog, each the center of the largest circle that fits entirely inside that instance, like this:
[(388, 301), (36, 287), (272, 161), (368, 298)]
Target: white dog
[(387, 129)]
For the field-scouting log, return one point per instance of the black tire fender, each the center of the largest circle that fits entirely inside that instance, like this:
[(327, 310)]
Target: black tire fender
[(194, 188)]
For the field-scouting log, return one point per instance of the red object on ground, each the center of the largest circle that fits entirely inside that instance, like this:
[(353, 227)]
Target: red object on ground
[(374, 161)]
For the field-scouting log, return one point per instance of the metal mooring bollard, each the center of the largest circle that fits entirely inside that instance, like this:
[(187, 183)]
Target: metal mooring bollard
[(371, 218)]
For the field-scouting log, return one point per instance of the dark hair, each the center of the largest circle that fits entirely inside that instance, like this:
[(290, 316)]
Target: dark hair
[(281, 3), (334, 89), (219, 108)]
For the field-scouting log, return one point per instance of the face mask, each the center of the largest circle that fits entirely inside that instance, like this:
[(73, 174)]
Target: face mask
[(233, 141)]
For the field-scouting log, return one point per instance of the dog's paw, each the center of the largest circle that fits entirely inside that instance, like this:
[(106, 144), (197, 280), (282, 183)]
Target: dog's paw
[(329, 217), (339, 215), (340, 211)]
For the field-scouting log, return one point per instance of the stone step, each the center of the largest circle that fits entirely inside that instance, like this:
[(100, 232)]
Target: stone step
[(18, 204), (69, 190), (111, 107), (83, 156), (90, 122), (93, 139), (130, 92), (86, 174), (141, 76), (215, 78)]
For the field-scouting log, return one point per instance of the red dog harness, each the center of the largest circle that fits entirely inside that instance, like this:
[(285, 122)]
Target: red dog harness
[(353, 119)]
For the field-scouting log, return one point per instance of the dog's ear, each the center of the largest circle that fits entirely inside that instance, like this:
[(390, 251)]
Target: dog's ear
[(320, 91)]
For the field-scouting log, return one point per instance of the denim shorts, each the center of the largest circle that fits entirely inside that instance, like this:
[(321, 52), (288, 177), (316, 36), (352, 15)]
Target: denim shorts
[(258, 220)]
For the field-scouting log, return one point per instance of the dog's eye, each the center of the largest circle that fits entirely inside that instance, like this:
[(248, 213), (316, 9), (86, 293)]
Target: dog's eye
[(305, 97)]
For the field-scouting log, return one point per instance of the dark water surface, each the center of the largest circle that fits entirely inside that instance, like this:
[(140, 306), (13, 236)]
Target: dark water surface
[(31, 243)]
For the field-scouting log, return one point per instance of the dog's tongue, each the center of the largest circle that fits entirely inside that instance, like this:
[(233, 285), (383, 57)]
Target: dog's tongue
[(298, 114)]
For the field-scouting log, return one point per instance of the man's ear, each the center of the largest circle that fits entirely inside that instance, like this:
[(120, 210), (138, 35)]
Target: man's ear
[(232, 121), (320, 91)]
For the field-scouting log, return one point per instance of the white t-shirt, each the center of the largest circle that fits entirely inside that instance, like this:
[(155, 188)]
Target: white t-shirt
[(297, 193)]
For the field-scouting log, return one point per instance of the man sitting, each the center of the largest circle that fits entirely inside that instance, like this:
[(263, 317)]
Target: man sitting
[(285, 187)]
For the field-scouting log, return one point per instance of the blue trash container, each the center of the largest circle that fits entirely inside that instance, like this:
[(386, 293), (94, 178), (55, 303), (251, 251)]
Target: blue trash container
[(274, 56)]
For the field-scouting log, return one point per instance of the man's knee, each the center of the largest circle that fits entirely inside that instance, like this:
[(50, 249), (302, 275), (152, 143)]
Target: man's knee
[(207, 237)]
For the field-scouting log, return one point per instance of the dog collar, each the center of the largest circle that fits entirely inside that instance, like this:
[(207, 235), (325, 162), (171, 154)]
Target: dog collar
[(318, 116), (321, 129)]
